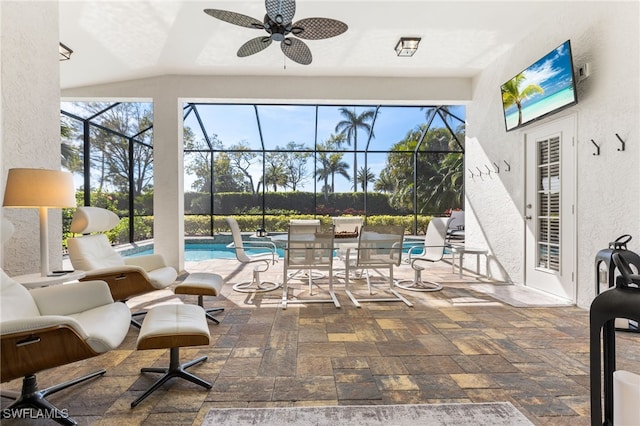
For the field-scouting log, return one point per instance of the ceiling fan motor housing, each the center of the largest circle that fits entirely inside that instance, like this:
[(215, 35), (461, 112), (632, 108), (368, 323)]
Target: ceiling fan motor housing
[(277, 31)]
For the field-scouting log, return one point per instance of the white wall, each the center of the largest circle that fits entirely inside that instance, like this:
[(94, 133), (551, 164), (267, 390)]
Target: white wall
[(606, 35), (30, 82)]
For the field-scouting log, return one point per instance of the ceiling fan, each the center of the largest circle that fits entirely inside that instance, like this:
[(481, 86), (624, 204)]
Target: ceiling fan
[(278, 24)]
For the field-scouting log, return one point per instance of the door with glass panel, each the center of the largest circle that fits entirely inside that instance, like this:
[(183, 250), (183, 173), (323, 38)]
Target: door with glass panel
[(550, 208)]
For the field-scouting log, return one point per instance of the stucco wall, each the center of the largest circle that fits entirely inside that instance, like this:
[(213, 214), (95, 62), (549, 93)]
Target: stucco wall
[(606, 35), (30, 120)]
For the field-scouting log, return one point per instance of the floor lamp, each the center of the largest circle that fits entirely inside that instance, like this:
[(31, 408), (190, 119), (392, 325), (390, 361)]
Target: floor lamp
[(42, 189)]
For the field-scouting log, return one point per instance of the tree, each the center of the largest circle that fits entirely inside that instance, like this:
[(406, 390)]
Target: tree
[(446, 187), (323, 172), (365, 177), (120, 125), (385, 182), (70, 155), (198, 163), (349, 127), (294, 163), (511, 94), (243, 158), (438, 176), (274, 173)]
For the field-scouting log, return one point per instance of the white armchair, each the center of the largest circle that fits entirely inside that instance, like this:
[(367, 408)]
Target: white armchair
[(126, 277), (53, 326)]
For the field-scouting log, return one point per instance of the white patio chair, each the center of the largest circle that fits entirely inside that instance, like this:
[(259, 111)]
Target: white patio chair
[(308, 248), (455, 228), (259, 261), (432, 251), (379, 247)]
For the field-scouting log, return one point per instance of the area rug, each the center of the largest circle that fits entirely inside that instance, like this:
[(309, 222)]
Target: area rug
[(484, 414), (519, 296)]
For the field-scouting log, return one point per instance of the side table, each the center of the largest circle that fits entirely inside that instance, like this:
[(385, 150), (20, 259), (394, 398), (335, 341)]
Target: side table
[(461, 251), (36, 280)]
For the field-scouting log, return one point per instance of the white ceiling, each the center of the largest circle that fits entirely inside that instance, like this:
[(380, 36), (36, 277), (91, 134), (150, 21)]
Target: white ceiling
[(116, 40)]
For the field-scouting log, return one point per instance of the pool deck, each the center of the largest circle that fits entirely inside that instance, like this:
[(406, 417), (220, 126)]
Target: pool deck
[(458, 345)]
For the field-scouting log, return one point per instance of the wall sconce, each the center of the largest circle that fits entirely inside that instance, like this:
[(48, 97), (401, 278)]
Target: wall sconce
[(407, 46), (65, 52)]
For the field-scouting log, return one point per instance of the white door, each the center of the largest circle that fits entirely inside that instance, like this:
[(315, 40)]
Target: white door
[(550, 208)]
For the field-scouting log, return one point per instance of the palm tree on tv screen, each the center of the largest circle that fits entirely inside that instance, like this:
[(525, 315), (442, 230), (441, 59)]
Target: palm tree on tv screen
[(511, 94)]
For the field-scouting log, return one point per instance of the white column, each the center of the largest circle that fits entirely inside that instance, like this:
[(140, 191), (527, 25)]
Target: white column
[(30, 124), (168, 178)]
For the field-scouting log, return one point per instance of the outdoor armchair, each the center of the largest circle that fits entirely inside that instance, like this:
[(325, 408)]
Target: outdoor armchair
[(92, 252), (50, 327)]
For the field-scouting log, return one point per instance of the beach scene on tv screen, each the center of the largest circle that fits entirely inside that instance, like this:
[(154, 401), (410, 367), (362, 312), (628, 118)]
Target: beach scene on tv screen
[(544, 87)]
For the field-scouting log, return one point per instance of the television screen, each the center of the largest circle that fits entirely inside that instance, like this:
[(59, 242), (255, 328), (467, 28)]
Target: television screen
[(545, 87)]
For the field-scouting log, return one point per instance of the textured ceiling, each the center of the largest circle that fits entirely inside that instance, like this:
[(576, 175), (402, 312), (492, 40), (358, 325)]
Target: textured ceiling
[(122, 40)]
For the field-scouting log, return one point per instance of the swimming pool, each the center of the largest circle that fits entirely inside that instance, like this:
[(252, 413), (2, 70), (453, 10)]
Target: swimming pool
[(207, 251), (200, 252)]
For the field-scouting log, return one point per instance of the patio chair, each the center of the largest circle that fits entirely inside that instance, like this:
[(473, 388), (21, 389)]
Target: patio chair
[(346, 229), (455, 228), (308, 248), (306, 226), (432, 251), (259, 261), (53, 326), (379, 247), (126, 277)]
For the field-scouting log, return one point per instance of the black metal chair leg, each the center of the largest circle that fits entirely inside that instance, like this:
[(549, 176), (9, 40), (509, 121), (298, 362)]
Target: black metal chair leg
[(209, 311), (34, 398), (175, 370)]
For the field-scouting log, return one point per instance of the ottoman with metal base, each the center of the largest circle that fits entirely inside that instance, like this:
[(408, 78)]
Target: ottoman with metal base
[(173, 326), (202, 284)]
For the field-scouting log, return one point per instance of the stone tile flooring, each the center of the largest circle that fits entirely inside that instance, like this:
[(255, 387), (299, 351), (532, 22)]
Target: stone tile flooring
[(456, 345)]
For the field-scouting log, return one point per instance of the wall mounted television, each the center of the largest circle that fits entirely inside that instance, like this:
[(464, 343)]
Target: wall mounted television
[(545, 87)]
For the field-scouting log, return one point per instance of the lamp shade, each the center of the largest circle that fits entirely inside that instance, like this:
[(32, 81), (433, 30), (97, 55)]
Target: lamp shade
[(39, 188)]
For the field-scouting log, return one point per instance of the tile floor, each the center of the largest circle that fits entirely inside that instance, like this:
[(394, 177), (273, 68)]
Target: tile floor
[(456, 345)]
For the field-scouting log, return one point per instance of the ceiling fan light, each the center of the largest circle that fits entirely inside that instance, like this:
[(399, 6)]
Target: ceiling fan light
[(407, 46)]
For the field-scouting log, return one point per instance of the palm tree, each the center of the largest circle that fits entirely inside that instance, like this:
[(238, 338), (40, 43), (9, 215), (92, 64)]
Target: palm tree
[(385, 182), (365, 176), (446, 187), (323, 172), (349, 127), (69, 154), (336, 165), (511, 94), (275, 176)]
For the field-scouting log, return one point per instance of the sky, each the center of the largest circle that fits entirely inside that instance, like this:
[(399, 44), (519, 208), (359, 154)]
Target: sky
[(281, 124)]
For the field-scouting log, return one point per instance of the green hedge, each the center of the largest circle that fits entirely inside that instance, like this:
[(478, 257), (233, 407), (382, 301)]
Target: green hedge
[(232, 203), (199, 225)]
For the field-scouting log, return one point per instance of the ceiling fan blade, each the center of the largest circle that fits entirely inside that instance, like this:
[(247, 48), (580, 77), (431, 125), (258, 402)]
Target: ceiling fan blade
[(235, 18), (318, 28), (296, 50), (253, 46), (280, 11)]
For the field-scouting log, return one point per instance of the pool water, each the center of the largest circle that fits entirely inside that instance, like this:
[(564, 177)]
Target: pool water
[(200, 252)]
